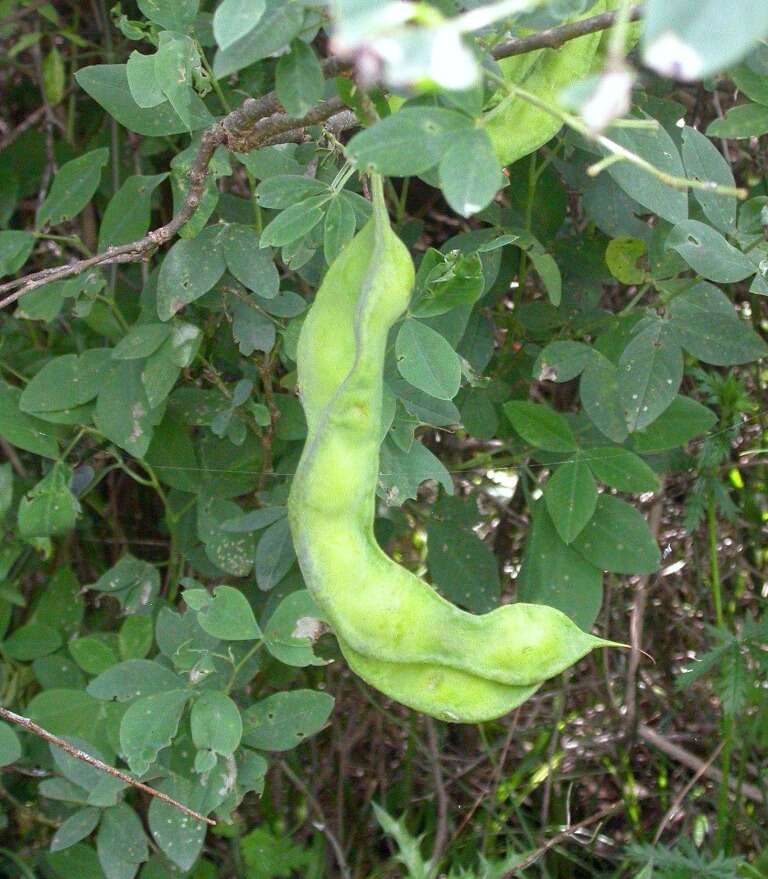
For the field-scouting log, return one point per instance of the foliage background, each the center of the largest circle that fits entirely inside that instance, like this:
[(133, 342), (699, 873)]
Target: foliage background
[(575, 400)]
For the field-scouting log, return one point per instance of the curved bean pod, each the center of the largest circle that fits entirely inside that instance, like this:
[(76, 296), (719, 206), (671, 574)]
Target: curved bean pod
[(395, 630)]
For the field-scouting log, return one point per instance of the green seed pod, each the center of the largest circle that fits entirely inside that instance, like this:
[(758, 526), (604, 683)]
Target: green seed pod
[(395, 630)]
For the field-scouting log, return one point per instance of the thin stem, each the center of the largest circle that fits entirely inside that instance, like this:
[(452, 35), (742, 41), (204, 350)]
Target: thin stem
[(714, 567), (31, 727), (615, 149)]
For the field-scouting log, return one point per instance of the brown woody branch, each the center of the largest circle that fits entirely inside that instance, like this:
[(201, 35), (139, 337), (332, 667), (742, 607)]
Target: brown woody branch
[(31, 727), (259, 122)]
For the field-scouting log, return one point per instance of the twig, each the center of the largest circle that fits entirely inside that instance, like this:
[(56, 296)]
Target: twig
[(663, 744), (273, 129), (441, 832), (30, 726), (685, 791), (565, 834), (259, 122), (555, 37), (318, 809), (636, 625)]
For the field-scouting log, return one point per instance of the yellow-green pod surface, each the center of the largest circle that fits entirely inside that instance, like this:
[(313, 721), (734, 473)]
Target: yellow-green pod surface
[(517, 127), (396, 631)]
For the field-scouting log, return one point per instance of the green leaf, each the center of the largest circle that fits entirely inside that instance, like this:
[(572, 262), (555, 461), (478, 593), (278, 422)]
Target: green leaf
[(68, 712), (650, 372), (78, 826), (10, 746), (123, 412), (134, 582), (426, 360), (233, 19), (293, 223), (284, 720), (145, 89), (15, 247), (401, 473), (338, 228), (708, 253), (229, 616), (127, 216), (120, 843), (621, 469), (561, 361), (141, 341), (49, 508), (149, 725), (462, 566), (540, 426), (274, 555), (31, 641), (623, 255), (73, 187), (617, 539), (555, 574), (470, 186), (278, 25), (704, 162), (191, 267), (180, 837), (744, 120), (230, 552), (283, 190), (251, 265), (599, 389), (709, 327), (65, 382), (292, 628), (268, 855), (54, 77), (21, 430), (571, 497), (175, 15), (6, 488), (299, 80), (216, 723), (135, 637), (92, 653), (78, 862), (252, 330), (408, 142), (657, 148), (174, 62), (108, 85), (133, 679), (692, 43)]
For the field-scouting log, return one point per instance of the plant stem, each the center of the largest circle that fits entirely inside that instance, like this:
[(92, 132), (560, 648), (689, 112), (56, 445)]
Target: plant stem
[(714, 568)]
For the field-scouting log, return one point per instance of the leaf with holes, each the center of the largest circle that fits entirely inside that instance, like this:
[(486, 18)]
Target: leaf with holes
[(407, 142), (282, 721), (191, 267), (708, 253), (149, 725)]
